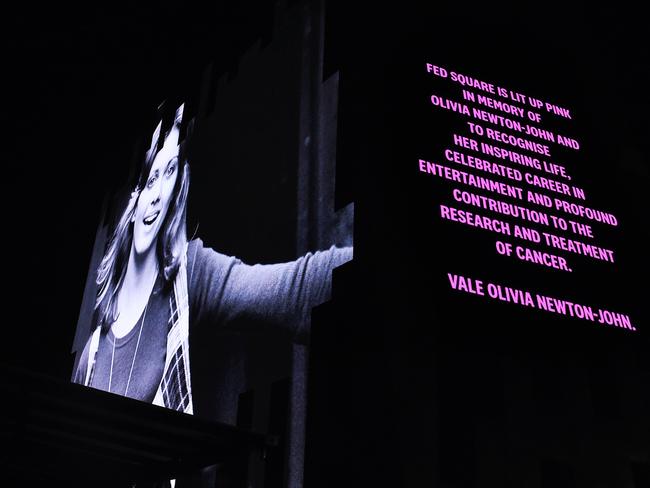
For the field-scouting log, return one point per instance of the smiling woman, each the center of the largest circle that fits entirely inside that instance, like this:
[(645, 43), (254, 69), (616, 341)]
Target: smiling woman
[(154, 288)]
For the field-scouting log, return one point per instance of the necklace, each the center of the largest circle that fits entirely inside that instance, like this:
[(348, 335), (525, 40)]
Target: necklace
[(137, 344)]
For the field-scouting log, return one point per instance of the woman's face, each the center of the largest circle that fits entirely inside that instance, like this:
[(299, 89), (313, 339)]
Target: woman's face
[(156, 196)]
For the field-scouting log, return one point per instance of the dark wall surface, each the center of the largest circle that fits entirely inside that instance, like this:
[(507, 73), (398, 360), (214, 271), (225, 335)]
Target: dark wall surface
[(455, 390)]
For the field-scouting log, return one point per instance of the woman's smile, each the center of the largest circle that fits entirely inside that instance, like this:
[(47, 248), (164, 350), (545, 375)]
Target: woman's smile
[(151, 218)]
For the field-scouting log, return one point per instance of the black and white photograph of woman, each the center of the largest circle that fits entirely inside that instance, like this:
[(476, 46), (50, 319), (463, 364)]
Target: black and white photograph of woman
[(154, 286)]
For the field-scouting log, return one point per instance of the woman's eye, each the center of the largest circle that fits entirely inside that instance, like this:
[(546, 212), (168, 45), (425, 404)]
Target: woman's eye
[(170, 169), (151, 181)]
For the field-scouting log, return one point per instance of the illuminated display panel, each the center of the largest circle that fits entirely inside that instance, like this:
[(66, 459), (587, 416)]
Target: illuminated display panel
[(510, 182), (165, 315), (499, 155)]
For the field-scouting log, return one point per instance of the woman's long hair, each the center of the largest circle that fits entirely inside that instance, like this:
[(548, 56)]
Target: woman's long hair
[(172, 238)]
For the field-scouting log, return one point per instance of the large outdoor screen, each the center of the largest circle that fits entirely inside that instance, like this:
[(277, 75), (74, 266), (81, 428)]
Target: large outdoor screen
[(217, 242)]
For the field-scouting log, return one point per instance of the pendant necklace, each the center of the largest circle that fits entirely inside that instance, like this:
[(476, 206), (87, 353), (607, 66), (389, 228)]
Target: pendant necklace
[(137, 344)]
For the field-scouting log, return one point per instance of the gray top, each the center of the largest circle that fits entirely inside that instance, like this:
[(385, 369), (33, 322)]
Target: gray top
[(223, 292)]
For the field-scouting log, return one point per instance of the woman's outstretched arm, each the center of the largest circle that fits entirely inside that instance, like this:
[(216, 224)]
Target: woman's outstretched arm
[(232, 294)]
